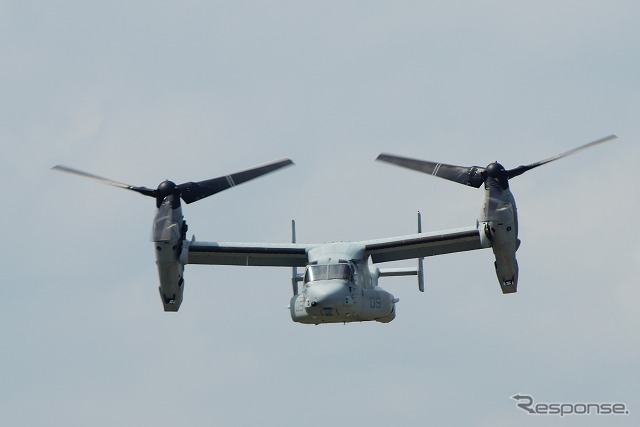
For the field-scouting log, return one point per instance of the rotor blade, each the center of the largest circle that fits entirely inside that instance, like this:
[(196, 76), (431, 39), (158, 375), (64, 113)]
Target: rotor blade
[(141, 190), (471, 176), (194, 191), (522, 169)]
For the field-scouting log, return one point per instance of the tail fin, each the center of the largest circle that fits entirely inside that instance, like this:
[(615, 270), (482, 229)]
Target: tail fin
[(295, 278), (421, 259), (391, 271)]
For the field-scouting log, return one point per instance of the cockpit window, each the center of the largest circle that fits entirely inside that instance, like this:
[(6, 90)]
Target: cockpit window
[(315, 272), (340, 271), (328, 272)]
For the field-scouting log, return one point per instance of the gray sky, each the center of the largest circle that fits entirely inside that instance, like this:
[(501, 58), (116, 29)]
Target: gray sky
[(144, 91)]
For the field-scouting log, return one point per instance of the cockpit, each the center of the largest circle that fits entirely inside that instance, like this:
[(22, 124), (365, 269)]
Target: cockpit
[(341, 271)]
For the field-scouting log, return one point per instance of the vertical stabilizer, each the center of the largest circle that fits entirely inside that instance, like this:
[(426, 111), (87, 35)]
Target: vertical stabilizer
[(421, 259), (294, 270)]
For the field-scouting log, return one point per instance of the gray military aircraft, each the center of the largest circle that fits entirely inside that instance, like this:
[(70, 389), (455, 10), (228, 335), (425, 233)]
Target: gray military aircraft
[(340, 280)]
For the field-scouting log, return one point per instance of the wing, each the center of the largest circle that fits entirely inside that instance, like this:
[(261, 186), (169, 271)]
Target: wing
[(423, 244), (249, 254), (297, 254)]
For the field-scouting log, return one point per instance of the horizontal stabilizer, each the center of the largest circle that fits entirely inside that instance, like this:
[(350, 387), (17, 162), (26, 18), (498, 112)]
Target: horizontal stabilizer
[(391, 271)]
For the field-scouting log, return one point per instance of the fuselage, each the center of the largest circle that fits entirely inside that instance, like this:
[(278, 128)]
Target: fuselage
[(341, 286)]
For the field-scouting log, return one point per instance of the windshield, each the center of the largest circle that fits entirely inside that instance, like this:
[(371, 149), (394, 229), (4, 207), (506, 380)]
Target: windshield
[(328, 272)]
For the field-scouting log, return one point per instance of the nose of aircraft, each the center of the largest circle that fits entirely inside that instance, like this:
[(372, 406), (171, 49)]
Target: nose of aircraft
[(328, 294)]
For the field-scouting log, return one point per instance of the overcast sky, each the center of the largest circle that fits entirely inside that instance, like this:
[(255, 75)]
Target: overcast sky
[(141, 91)]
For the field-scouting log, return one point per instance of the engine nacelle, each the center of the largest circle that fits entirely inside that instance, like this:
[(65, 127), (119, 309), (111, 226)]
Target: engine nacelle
[(169, 231), (501, 234), (170, 273)]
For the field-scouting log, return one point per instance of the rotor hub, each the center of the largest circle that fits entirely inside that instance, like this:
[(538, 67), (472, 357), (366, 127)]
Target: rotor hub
[(166, 188), (495, 170)]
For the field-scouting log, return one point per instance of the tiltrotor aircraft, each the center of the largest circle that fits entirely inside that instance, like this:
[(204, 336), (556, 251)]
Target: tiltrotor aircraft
[(340, 280)]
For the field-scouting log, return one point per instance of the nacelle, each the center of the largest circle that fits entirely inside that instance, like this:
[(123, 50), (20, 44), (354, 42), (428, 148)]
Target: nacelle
[(170, 272), (500, 234), (171, 249)]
